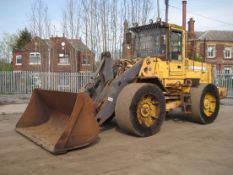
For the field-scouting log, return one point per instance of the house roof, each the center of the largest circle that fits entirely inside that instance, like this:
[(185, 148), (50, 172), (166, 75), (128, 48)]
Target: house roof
[(47, 41), (35, 39), (79, 45), (215, 35), (198, 34), (76, 43)]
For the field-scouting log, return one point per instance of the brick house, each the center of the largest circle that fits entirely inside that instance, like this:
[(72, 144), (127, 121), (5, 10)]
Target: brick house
[(57, 54), (214, 47)]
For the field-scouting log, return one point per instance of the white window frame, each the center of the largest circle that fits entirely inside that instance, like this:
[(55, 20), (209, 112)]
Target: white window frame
[(16, 60), (210, 54), (229, 54), (35, 55), (227, 69), (85, 64), (63, 56)]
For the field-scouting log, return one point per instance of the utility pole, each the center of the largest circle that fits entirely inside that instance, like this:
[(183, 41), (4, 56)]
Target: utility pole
[(158, 10), (166, 12)]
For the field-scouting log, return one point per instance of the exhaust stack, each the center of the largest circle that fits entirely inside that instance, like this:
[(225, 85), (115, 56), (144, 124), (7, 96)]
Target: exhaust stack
[(184, 4)]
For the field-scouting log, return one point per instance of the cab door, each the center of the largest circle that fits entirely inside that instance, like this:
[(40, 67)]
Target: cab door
[(176, 66)]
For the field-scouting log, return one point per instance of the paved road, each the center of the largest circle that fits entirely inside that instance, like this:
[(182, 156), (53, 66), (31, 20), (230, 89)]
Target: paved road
[(181, 147)]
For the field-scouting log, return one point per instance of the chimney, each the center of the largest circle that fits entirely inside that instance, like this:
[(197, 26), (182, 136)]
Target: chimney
[(184, 3), (126, 26), (191, 32), (127, 50)]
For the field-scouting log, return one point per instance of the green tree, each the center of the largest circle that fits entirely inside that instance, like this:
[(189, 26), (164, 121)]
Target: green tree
[(24, 37), (6, 44), (10, 42), (4, 66)]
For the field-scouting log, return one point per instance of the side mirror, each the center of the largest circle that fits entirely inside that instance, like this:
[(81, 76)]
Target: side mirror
[(128, 37)]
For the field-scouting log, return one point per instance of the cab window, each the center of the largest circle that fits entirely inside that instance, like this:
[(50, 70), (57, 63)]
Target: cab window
[(176, 45)]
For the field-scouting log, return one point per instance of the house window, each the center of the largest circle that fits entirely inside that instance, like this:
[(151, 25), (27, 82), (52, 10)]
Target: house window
[(227, 53), (227, 70), (35, 58), (18, 59), (85, 60), (211, 52), (63, 59), (63, 79)]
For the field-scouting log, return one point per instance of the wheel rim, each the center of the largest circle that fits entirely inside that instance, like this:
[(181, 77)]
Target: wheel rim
[(209, 104), (147, 111)]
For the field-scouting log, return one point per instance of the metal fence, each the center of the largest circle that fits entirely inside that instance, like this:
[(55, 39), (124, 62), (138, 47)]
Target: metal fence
[(24, 82), (225, 79)]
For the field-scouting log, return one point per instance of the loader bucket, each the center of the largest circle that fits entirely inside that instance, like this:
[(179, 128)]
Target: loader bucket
[(59, 121)]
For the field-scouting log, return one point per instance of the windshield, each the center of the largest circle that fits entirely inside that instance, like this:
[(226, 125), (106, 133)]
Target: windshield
[(150, 42)]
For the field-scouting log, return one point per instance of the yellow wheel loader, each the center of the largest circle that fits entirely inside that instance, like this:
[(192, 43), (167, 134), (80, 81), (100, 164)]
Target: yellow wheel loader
[(138, 91)]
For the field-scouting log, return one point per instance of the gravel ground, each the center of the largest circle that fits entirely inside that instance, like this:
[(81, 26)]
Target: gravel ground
[(181, 147), (24, 99), (14, 99)]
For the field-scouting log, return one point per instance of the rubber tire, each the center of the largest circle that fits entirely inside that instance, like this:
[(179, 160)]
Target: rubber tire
[(197, 103), (126, 108)]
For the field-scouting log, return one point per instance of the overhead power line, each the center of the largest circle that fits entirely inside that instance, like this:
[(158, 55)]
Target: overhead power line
[(203, 16)]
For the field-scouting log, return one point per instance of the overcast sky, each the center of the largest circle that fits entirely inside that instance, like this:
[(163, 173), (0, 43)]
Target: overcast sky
[(208, 14)]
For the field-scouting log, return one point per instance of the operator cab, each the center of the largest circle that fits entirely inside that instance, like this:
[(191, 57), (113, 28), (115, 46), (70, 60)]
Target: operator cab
[(153, 40)]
